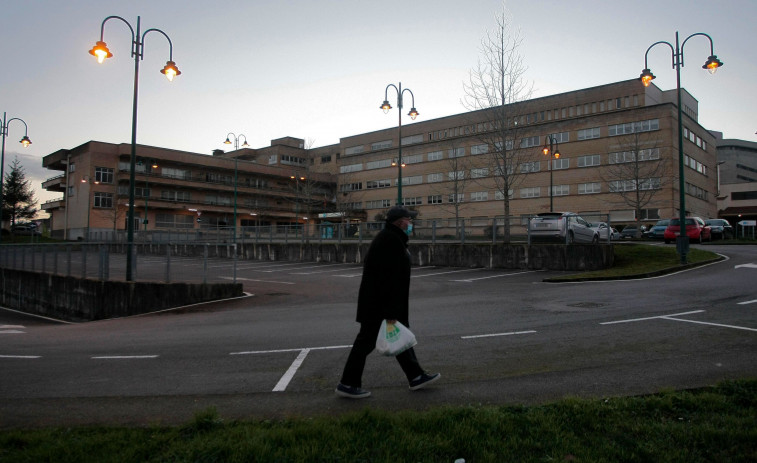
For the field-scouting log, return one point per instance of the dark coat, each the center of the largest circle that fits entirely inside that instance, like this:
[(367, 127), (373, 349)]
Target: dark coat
[(385, 287)]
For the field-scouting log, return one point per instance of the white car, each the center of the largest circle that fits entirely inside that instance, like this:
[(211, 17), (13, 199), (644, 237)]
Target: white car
[(567, 227), (602, 230)]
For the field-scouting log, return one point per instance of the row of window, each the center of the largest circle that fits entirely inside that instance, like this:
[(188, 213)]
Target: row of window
[(526, 142)]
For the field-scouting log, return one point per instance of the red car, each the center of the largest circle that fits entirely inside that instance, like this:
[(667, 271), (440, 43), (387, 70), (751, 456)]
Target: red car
[(696, 230)]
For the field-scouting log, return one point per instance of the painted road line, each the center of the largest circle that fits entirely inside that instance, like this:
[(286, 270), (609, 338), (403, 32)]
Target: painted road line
[(12, 332), (497, 334), (124, 357), (651, 318), (281, 386), (20, 356), (711, 324), (261, 281), (471, 280), (278, 351), (12, 329), (445, 273), (740, 303), (745, 266)]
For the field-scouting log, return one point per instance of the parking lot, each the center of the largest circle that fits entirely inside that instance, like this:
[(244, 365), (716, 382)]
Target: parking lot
[(497, 337)]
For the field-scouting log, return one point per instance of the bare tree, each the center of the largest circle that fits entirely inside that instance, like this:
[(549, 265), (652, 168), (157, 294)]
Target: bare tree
[(452, 184), (636, 173), (496, 91)]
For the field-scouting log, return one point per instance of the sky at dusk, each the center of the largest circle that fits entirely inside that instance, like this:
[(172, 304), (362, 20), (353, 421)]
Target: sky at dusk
[(317, 69)]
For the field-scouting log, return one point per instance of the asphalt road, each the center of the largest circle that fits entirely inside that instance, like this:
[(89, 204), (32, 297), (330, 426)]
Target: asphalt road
[(497, 337)]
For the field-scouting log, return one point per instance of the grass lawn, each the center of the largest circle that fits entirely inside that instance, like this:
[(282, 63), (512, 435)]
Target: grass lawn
[(715, 424)]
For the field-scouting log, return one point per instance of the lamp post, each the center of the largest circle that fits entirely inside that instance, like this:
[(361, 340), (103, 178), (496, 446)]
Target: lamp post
[(101, 52), (24, 141), (712, 64), (146, 194), (553, 151), (297, 178), (88, 180), (236, 170), (413, 114)]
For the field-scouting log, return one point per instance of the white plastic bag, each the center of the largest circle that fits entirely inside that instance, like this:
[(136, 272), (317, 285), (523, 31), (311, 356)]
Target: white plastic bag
[(394, 338)]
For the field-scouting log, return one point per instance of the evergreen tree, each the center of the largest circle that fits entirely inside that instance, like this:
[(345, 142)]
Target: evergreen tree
[(18, 196)]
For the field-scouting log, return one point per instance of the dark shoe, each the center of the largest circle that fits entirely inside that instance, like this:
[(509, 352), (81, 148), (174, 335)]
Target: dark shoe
[(351, 392), (423, 380)]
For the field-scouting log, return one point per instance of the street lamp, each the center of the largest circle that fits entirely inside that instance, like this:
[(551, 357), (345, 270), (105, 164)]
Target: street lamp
[(553, 151), (236, 163), (88, 180), (24, 141), (101, 52), (146, 194), (413, 114), (297, 178), (712, 64)]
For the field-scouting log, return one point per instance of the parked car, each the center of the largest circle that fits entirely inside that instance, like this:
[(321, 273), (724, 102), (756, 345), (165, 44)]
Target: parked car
[(657, 232), (720, 228), (696, 230), (25, 229), (631, 231), (567, 227), (602, 231)]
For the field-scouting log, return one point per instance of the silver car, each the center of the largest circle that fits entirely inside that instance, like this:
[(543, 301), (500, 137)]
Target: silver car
[(567, 227)]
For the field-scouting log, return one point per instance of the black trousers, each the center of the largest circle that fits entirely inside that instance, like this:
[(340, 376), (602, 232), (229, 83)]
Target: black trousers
[(364, 344)]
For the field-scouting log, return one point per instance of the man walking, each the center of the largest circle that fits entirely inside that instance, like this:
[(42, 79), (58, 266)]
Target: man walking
[(384, 294)]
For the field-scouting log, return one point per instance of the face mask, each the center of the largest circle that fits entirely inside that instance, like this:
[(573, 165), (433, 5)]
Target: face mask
[(409, 229)]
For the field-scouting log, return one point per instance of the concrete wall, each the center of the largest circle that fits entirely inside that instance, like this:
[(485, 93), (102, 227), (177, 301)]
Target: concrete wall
[(77, 299)]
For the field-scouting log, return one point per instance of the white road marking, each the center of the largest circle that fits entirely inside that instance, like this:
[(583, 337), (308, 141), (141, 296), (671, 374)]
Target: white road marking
[(748, 302), (745, 266), (124, 357), (674, 317), (651, 318), (20, 356), (471, 280), (445, 273), (12, 332), (261, 281), (284, 381), (497, 334), (12, 329)]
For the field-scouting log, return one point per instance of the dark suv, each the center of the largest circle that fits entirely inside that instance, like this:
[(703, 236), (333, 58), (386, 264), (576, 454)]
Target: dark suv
[(720, 228)]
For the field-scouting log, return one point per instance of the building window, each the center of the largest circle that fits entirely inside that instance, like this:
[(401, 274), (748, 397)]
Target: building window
[(479, 196), (527, 167), (560, 190), (529, 142), (633, 127), (589, 188), (381, 163), (347, 187), (435, 177), (588, 134), (417, 201), (412, 140), (560, 164), (456, 153), (350, 168), (435, 155), (174, 221), (325, 159), (104, 174), (562, 137), (103, 200), (378, 204), (381, 145), (413, 159), (373, 184), (352, 150), (589, 160), (456, 175), (534, 192), (435, 199), (414, 180), (499, 195), (479, 149), (455, 198), (479, 172)]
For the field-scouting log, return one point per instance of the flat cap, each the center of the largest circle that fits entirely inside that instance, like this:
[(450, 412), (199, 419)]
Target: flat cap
[(398, 212)]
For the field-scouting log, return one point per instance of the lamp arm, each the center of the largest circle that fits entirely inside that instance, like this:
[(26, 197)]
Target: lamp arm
[(386, 93), (672, 50), (26, 128), (712, 47), (411, 95), (170, 44), (102, 29)]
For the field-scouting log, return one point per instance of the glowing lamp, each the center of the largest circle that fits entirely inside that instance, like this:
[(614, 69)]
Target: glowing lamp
[(100, 51), (170, 70)]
